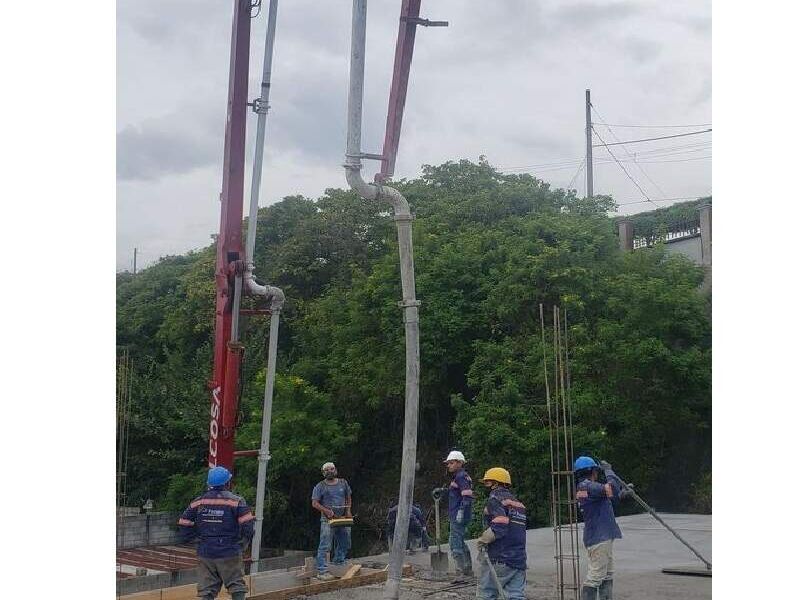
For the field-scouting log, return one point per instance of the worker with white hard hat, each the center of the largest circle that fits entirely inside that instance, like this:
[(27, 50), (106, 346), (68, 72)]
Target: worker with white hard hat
[(332, 497), (459, 510)]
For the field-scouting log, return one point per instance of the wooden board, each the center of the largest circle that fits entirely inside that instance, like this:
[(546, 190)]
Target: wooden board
[(355, 577), (351, 572), (330, 586)]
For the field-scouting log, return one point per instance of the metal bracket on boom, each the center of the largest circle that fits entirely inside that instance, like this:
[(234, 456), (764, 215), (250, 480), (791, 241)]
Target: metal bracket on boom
[(424, 22), (366, 155), (259, 106)]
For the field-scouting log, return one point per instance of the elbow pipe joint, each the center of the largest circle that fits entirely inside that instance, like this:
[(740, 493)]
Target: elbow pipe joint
[(375, 191), (275, 295)]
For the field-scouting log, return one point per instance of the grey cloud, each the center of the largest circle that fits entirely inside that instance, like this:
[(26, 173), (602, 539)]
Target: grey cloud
[(166, 146), (641, 50), (592, 14)]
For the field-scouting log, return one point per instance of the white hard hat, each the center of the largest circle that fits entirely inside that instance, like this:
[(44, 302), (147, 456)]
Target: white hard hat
[(455, 455), (328, 465)]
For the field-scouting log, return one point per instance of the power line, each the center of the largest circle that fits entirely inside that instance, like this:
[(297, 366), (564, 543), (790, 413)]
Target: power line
[(660, 126), (611, 131), (574, 177), (621, 166), (663, 137), (651, 153), (628, 203)]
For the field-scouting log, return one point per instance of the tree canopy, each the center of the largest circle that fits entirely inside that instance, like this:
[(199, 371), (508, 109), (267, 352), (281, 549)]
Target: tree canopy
[(489, 248)]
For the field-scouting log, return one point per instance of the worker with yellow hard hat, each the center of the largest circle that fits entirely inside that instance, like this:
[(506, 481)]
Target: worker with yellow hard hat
[(503, 541)]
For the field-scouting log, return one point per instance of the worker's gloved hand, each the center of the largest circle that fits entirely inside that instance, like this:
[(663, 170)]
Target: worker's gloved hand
[(460, 516), (626, 491), (606, 466), (486, 538)]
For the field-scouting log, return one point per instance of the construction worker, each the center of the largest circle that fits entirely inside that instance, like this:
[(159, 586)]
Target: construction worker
[(600, 527), (503, 540), (224, 525), (417, 532), (332, 497), (459, 511)]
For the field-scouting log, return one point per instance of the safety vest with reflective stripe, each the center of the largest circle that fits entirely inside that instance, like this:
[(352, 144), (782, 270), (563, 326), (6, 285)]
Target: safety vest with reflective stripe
[(506, 516), (221, 520), (460, 496)]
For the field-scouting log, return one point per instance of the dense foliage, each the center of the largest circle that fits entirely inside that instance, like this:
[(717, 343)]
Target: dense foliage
[(488, 249)]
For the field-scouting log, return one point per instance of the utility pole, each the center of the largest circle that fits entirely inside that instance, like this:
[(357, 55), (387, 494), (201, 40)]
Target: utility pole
[(134, 260), (589, 175)]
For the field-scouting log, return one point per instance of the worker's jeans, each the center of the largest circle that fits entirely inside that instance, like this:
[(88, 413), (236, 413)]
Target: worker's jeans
[(601, 563), (512, 580), (458, 548), (328, 534), (213, 572)]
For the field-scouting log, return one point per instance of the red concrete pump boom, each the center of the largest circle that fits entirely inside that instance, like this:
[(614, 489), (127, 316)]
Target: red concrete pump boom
[(230, 252), (404, 51)]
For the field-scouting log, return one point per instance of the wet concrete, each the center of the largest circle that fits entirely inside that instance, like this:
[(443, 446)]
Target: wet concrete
[(646, 548)]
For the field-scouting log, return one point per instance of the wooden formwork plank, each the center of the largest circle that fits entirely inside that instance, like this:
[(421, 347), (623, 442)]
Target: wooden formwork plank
[(351, 572), (330, 586), (180, 592)]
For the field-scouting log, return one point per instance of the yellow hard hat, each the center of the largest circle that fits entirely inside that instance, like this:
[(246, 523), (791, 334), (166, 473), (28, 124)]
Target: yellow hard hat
[(498, 474)]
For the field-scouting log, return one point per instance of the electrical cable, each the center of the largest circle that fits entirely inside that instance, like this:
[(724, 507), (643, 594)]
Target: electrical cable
[(611, 131), (574, 177), (663, 137), (621, 166), (661, 126)]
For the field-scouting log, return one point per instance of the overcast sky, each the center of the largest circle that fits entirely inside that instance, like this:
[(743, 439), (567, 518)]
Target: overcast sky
[(506, 79)]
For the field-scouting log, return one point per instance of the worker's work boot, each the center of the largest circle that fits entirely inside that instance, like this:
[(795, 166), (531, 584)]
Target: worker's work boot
[(238, 595), (588, 593), (325, 576), (605, 589)]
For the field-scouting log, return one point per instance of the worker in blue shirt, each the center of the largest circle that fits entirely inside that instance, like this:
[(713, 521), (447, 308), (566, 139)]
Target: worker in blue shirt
[(459, 510), (224, 525), (332, 497), (417, 532), (600, 528), (504, 538)]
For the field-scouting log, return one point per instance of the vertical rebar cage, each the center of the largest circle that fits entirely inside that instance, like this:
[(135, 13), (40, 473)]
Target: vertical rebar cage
[(563, 504)]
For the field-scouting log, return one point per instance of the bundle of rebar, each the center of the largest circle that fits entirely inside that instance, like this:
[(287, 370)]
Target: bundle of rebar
[(124, 383), (563, 504)]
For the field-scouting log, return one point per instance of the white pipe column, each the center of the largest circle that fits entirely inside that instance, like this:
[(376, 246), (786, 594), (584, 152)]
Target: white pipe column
[(409, 303), (275, 295), (266, 421)]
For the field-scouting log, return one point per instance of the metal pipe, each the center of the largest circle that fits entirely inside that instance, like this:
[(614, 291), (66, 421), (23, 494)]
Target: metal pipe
[(409, 304), (627, 487), (275, 295), (263, 453), (261, 107)]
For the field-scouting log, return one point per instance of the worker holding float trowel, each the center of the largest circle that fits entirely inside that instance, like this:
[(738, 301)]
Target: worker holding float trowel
[(224, 525), (332, 497), (459, 511), (600, 527), (503, 540)]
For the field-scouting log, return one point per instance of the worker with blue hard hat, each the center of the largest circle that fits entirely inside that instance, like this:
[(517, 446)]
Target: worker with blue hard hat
[(600, 526), (223, 523)]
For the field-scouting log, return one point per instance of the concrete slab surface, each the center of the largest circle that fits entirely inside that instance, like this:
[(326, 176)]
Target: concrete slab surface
[(645, 549)]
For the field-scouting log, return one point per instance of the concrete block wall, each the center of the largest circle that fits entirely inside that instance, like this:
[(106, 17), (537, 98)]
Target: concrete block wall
[(154, 529)]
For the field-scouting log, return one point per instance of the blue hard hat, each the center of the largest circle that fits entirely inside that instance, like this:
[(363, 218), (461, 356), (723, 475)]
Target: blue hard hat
[(585, 462), (218, 476)]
